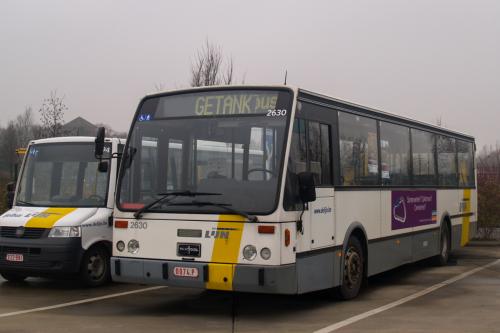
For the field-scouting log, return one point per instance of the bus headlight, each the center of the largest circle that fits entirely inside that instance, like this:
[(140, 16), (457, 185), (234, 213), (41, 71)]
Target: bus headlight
[(249, 252), (120, 246), (65, 232), (133, 246), (265, 253)]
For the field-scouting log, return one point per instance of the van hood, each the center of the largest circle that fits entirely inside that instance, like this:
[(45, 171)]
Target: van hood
[(46, 217)]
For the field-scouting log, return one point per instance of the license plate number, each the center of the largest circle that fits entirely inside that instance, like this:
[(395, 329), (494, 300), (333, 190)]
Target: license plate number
[(14, 257), (186, 272)]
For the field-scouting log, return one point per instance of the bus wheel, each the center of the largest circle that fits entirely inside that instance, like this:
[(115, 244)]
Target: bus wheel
[(444, 247), (13, 277), (95, 269), (353, 270)]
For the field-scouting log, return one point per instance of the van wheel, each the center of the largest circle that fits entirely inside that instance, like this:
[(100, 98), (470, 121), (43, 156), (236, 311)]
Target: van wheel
[(13, 277), (95, 265), (353, 277), (444, 247)]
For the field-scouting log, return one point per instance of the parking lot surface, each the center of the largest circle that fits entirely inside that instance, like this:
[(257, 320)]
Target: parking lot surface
[(461, 297)]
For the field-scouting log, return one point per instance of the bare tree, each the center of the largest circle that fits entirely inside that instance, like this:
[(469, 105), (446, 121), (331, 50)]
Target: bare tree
[(52, 114), (24, 127), (488, 191), (209, 67), (439, 122), (9, 146)]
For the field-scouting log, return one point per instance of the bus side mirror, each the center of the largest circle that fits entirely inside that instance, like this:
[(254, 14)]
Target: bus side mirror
[(99, 142), (103, 166), (11, 188), (307, 190)]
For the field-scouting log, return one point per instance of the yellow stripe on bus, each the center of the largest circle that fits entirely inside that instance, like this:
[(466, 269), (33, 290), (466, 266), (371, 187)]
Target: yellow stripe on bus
[(225, 253), (466, 218), (48, 217)]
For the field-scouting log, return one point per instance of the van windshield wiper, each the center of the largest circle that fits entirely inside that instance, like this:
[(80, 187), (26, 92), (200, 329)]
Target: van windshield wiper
[(169, 195), (225, 206)]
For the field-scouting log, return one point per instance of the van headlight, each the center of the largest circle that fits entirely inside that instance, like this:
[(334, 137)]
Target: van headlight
[(65, 232)]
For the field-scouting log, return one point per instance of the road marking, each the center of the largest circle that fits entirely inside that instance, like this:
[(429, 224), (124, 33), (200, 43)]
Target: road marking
[(406, 299), (83, 301)]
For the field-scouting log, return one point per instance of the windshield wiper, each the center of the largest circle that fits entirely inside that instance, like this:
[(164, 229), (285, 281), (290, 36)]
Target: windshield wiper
[(225, 206), (25, 203), (170, 195)]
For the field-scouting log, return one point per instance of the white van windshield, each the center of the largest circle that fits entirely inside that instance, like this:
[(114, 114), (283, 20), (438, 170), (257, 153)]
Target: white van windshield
[(63, 175)]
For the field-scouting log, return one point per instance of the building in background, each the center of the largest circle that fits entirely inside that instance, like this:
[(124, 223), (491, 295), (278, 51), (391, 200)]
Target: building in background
[(79, 127)]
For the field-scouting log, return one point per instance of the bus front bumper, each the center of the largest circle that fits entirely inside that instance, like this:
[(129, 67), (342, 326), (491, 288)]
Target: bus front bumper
[(232, 277), (41, 257)]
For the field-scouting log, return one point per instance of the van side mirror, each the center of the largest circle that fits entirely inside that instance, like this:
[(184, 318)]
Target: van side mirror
[(11, 188), (307, 189), (103, 166), (99, 142)]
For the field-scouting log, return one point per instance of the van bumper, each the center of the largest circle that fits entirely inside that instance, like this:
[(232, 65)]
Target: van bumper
[(231, 277), (42, 257)]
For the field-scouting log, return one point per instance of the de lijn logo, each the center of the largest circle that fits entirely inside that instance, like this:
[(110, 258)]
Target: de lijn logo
[(413, 208)]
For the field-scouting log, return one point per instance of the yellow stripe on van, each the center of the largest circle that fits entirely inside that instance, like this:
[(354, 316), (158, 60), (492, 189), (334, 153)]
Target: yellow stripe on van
[(48, 217), (225, 253), (466, 219)]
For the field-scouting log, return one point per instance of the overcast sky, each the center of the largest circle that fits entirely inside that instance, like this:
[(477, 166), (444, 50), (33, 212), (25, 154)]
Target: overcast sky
[(421, 59)]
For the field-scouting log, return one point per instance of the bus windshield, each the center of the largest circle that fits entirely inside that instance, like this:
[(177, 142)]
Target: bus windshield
[(225, 142), (62, 174)]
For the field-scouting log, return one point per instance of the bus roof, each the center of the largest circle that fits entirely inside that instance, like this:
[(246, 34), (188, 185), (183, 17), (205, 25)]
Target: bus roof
[(329, 101), (73, 139), (350, 106)]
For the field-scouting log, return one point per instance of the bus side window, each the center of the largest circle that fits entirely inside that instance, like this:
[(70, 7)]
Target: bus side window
[(465, 151), (395, 154), (423, 149), (358, 150), (447, 163)]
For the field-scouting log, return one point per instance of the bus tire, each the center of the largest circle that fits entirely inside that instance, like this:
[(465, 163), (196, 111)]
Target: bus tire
[(353, 272), (95, 267), (13, 277), (444, 247)]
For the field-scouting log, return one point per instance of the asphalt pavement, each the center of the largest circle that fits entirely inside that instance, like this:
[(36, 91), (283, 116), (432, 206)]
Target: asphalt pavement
[(461, 297)]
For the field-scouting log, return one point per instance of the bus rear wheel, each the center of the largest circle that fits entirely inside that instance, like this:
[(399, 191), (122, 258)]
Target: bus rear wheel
[(353, 272), (95, 267), (13, 277), (444, 247)]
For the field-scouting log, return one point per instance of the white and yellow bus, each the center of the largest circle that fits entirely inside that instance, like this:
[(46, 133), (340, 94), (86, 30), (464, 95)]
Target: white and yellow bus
[(60, 222), (278, 190)]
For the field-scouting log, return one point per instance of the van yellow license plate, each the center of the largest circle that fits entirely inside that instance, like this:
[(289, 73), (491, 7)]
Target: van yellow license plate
[(14, 257)]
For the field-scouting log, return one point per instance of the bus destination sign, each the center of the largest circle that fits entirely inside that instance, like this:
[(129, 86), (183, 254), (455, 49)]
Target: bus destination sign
[(228, 104), (212, 103)]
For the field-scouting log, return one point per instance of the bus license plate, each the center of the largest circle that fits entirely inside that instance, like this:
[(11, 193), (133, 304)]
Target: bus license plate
[(14, 257), (186, 272)]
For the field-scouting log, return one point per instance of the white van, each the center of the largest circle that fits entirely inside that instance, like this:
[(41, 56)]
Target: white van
[(60, 222)]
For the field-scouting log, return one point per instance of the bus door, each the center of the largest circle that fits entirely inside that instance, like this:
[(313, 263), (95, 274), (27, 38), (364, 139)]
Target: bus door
[(310, 151)]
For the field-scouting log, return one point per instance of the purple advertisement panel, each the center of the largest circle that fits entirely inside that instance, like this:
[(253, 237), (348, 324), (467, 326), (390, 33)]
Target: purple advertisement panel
[(413, 208)]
